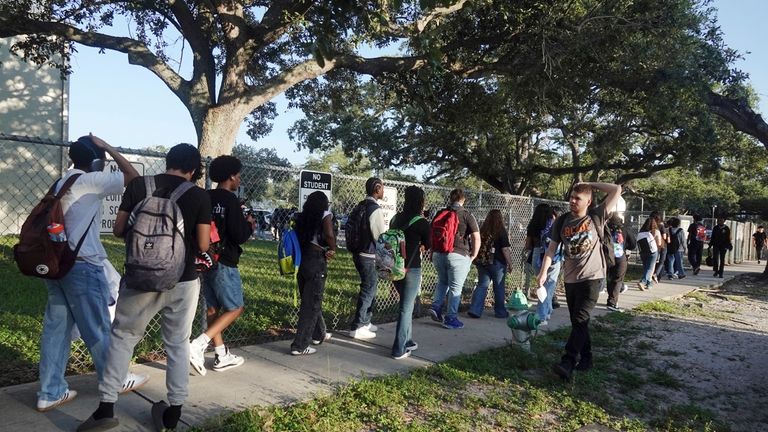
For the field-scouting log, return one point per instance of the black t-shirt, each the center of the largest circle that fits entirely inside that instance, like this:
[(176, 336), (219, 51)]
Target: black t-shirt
[(195, 209), (534, 235), (759, 239), (499, 243), (232, 226), (416, 235)]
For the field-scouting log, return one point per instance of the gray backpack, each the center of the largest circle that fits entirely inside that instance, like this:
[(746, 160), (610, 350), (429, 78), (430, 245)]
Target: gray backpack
[(155, 252)]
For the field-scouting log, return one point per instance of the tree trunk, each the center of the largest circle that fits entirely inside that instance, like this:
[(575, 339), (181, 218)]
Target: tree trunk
[(218, 129)]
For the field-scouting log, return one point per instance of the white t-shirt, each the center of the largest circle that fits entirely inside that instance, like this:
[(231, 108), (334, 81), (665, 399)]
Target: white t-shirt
[(81, 203)]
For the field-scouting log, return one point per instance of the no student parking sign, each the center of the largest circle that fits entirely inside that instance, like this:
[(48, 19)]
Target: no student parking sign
[(311, 181)]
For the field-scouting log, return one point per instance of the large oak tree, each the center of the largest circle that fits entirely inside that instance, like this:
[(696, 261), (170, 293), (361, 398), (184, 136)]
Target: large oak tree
[(583, 89), (245, 53)]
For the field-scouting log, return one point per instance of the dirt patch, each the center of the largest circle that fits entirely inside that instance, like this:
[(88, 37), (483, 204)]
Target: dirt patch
[(703, 354)]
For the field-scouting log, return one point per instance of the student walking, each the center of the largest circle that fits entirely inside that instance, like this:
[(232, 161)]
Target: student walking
[(367, 231), (648, 241), (759, 242), (493, 261), (537, 239), (417, 239), (623, 242), (81, 297), (455, 244), (584, 268), (697, 236), (314, 228), (176, 303), (222, 285), (720, 244), (675, 250)]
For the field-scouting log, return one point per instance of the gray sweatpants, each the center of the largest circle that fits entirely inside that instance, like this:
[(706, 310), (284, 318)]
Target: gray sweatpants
[(134, 311)]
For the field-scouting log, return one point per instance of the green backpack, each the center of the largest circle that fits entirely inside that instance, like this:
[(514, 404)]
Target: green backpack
[(390, 253)]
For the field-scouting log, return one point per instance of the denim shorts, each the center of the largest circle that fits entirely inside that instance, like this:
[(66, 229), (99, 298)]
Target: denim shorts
[(223, 288)]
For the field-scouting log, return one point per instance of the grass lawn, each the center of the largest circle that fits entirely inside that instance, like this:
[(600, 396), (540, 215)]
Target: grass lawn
[(500, 389), (269, 298)]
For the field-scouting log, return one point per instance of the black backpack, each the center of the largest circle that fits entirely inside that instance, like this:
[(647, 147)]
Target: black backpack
[(357, 230), (674, 240)]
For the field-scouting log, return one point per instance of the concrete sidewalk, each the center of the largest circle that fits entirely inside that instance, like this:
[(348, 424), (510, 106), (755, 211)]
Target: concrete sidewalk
[(271, 376)]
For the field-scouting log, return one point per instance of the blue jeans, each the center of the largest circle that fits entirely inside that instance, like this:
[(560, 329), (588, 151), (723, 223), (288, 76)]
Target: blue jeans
[(223, 288), (544, 309), (408, 289), (661, 267), (369, 280), (495, 272), (675, 263), (81, 297), (452, 270), (649, 266)]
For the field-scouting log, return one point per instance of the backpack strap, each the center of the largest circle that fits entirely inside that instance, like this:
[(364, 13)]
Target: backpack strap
[(65, 187), (180, 190), (149, 186)]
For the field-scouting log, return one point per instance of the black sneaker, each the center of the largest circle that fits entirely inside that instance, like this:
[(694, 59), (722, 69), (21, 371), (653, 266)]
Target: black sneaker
[(564, 370), (696, 271), (555, 303)]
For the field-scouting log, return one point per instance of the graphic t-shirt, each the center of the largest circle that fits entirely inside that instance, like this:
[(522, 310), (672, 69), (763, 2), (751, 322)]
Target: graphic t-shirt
[(228, 215), (583, 258)]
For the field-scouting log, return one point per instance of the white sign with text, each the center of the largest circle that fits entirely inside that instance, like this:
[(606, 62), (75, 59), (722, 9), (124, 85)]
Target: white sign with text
[(388, 204), (312, 181), (111, 203)]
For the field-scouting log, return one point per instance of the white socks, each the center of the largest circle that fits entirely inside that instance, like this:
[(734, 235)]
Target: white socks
[(221, 350), (203, 339)]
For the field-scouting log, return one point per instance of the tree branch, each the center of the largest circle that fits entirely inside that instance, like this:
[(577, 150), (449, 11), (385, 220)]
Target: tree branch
[(739, 115), (138, 53)]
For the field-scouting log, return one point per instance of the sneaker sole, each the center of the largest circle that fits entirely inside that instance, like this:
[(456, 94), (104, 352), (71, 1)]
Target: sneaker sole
[(401, 357), (57, 404), (199, 369), (229, 366), (449, 327)]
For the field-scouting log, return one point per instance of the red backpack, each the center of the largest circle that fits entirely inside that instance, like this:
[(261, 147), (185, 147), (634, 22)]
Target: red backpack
[(445, 226), (37, 254)]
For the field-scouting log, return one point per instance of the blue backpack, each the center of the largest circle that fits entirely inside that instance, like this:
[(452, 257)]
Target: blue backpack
[(288, 252)]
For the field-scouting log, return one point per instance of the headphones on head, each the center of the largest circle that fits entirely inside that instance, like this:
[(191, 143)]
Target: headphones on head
[(97, 163)]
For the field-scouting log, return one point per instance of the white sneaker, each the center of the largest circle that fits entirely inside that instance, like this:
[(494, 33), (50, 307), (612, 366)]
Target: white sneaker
[(623, 289), (362, 333), (327, 337), (133, 381), (307, 351), (544, 323), (227, 361), (372, 327), (44, 405), (197, 357), (406, 354)]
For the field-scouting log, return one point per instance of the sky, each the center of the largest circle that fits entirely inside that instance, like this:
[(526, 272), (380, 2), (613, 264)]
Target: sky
[(129, 107)]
